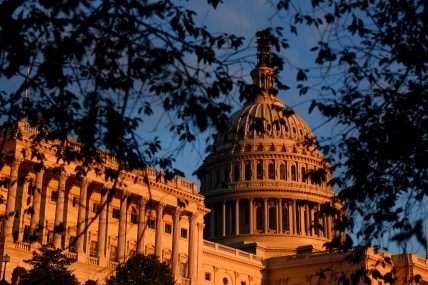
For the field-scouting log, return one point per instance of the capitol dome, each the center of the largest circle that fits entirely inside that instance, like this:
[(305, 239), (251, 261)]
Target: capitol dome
[(256, 180)]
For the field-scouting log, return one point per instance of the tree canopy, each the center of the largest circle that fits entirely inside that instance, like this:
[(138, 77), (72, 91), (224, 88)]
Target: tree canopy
[(49, 268), (370, 77), (142, 270)]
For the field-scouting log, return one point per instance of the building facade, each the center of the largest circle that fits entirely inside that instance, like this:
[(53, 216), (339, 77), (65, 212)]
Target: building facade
[(255, 220)]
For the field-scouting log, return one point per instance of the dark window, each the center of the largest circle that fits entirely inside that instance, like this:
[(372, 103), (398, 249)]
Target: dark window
[(134, 218), (236, 172), (271, 171), (259, 170), (113, 253), (26, 237), (151, 224), (54, 196), (76, 202), (272, 218), (293, 173), (72, 245), (183, 233), (259, 218), (168, 228), (207, 276), (30, 190), (96, 208), (247, 171), (226, 175), (93, 249), (282, 172), (303, 174), (50, 237), (115, 214)]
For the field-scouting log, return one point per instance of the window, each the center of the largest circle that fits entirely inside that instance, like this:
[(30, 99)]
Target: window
[(293, 173), (247, 171), (96, 208), (236, 172), (225, 281), (115, 214), (151, 224), (54, 196), (271, 171), (207, 276), (282, 172), (168, 228), (72, 245), (134, 218), (113, 253), (303, 174), (50, 237), (226, 175), (93, 249), (76, 202), (30, 189), (26, 237), (259, 218), (243, 283), (272, 218), (183, 269), (183, 233), (259, 170)]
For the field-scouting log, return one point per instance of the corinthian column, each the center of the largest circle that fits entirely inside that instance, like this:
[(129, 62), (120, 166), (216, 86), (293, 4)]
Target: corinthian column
[(59, 212), (175, 238), (102, 223), (159, 229), (81, 215), (35, 223), (11, 198), (141, 224), (193, 248), (121, 242)]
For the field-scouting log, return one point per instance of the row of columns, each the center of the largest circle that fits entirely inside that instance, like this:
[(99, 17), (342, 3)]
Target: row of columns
[(81, 229), (299, 217)]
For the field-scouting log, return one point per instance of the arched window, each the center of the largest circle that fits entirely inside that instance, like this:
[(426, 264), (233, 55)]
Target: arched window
[(271, 171), (272, 218), (226, 174), (247, 170), (285, 220), (236, 172), (303, 174), (259, 218), (259, 170), (293, 173), (245, 214), (282, 170)]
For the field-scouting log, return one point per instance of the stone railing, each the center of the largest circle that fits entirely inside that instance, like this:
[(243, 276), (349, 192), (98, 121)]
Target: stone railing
[(23, 245), (231, 251)]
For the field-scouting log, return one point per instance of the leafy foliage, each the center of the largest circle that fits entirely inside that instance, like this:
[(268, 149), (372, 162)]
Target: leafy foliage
[(142, 270), (373, 66), (97, 71), (49, 267)]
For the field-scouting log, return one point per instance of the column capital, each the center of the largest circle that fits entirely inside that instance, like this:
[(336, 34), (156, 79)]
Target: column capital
[(85, 182), (178, 211), (160, 206), (142, 201), (124, 194), (193, 216), (16, 161), (63, 175), (201, 226)]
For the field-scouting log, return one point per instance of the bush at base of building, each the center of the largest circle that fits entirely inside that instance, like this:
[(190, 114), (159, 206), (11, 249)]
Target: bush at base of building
[(142, 270)]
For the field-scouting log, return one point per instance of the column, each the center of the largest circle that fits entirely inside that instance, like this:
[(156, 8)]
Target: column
[(294, 217), (212, 222), (175, 239), (280, 216), (265, 205), (308, 220), (224, 218), (237, 216), (35, 223), (102, 223), (159, 230), (290, 217), (81, 215), (59, 229), (141, 224), (11, 198), (318, 222), (121, 232), (250, 201), (192, 248), (198, 255)]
